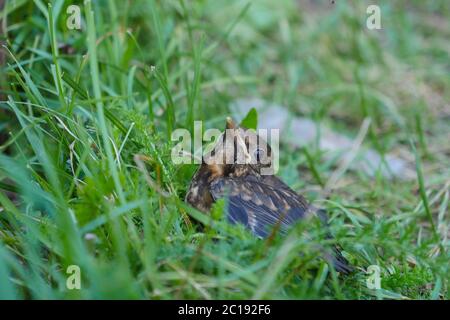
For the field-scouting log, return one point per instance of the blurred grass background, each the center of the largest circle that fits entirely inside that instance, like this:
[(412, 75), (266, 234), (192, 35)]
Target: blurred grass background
[(76, 106)]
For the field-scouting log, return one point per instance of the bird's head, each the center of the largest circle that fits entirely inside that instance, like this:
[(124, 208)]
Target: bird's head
[(238, 151)]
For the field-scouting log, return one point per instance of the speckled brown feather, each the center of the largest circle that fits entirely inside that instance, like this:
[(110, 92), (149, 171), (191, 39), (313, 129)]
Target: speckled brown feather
[(259, 202), (257, 205)]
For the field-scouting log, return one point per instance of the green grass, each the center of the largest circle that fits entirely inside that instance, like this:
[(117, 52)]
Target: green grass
[(77, 106)]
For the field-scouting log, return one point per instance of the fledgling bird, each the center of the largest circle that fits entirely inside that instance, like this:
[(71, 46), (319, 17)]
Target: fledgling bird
[(260, 202)]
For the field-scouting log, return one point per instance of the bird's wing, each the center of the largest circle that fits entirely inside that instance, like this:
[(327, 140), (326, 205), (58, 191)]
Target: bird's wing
[(259, 206)]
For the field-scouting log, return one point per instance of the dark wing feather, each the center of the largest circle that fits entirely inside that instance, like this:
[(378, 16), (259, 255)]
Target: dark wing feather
[(260, 207), (257, 205)]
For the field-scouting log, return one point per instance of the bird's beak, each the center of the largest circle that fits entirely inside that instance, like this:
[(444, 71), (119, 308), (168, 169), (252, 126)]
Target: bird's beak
[(230, 124), (241, 142)]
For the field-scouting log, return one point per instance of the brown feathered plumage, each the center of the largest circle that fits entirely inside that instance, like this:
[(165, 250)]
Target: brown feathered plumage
[(259, 202)]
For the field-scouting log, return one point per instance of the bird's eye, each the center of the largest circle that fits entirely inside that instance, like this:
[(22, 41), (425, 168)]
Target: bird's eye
[(259, 154)]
